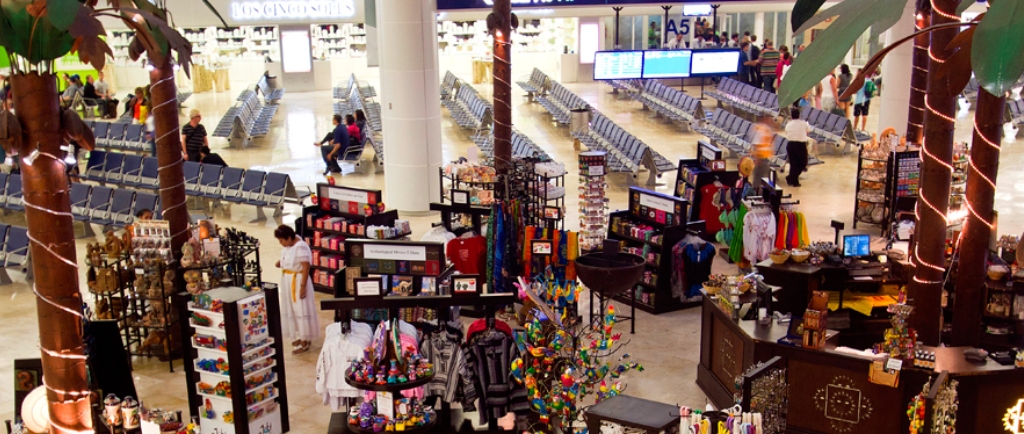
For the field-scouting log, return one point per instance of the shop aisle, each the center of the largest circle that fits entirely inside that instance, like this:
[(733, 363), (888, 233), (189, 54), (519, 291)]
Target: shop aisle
[(827, 194)]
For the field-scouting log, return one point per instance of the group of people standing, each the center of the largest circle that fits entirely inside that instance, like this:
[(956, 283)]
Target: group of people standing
[(349, 133), (827, 95)]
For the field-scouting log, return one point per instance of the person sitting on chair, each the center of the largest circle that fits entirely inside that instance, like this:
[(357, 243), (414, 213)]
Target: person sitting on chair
[(336, 142), (208, 157)]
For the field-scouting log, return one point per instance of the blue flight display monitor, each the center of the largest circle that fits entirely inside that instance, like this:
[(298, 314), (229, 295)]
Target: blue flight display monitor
[(618, 65), (856, 246), (667, 63)]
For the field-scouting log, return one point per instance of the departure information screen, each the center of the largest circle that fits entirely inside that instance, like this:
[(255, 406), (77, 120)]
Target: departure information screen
[(618, 65), (667, 63), (714, 62)]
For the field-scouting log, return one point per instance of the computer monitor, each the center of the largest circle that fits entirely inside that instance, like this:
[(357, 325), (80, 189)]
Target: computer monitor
[(856, 246)]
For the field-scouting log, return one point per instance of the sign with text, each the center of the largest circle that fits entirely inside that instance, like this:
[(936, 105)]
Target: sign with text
[(656, 207), (297, 10), (481, 4), (656, 203), (395, 252)]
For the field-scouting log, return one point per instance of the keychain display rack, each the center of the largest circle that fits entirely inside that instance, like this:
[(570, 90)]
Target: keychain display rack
[(593, 202)]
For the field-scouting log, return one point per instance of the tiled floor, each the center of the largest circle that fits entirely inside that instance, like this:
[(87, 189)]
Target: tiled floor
[(667, 345)]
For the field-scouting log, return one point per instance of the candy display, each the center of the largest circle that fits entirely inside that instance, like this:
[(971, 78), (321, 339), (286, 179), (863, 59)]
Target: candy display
[(900, 340)]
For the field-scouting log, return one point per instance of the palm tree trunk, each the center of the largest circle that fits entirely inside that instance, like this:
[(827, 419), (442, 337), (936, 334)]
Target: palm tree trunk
[(980, 198), (503, 86), (919, 75), (164, 94), (925, 291), (54, 261)]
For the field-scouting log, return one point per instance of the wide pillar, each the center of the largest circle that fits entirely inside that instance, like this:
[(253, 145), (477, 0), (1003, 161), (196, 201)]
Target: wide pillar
[(410, 103), (896, 71)]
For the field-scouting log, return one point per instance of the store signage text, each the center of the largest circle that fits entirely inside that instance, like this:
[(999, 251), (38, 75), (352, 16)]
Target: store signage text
[(292, 10), (395, 252)]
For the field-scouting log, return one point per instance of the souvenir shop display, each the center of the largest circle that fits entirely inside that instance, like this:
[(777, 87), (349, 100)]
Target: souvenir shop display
[(592, 200), (109, 276), (151, 240), (562, 361), (467, 183), (705, 183), (458, 361), (167, 422), (340, 214), (958, 184), (404, 269), (696, 256), (152, 322), (215, 257), (727, 421), (1003, 315), (904, 183), (873, 168), (550, 250), (763, 389), (548, 192), (756, 227), (652, 226), (232, 327)]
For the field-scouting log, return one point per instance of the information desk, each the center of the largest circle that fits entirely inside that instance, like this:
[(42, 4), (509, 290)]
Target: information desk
[(829, 392)]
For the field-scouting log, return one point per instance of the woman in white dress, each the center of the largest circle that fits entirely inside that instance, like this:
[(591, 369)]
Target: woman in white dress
[(298, 306)]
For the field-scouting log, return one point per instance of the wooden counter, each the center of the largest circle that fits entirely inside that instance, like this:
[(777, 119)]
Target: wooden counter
[(829, 392)]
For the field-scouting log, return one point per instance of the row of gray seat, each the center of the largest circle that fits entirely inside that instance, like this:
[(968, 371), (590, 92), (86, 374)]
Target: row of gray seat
[(230, 184), (247, 119), (670, 103), (14, 251), (469, 109), (522, 146), (271, 95), (625, 152), (560, 101), (745, 97), (536, 83)]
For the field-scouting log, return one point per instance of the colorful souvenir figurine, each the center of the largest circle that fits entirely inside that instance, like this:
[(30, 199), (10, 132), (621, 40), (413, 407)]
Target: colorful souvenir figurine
[(393, 372), (380, 380)]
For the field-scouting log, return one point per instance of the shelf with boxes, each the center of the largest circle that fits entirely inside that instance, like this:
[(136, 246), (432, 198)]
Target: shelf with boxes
[(548, 194), (231, 327), (1003, 317), (652, 225), (344, 213)]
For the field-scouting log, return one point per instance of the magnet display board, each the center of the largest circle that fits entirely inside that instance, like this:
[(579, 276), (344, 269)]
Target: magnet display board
[(618, 65)]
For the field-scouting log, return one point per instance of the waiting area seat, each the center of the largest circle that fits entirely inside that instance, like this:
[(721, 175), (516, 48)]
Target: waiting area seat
[(626, 153)]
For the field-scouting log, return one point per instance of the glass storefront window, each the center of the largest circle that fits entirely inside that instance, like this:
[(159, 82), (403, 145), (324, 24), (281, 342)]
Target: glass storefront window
[(769, 28), (746, 24), (782, 21), (656, 34)]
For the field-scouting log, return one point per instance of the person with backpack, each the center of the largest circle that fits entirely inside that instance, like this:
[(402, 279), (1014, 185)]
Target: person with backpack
[(861, 103)]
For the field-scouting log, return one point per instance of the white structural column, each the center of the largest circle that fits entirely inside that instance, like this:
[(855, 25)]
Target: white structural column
[(410, 103), (370, 18), (896, 68)]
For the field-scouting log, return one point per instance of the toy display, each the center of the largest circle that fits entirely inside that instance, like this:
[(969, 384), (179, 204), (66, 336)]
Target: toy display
[(385, 362), (151, 240), (409, 413)]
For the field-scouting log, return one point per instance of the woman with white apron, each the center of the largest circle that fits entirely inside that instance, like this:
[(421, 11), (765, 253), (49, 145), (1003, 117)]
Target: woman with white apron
[(298, 305)]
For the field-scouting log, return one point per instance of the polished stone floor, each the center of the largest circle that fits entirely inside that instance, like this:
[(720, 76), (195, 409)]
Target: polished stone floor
[(667, 345)]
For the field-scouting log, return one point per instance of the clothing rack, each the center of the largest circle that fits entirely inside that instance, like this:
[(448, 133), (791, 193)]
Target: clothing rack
[(448, 420)]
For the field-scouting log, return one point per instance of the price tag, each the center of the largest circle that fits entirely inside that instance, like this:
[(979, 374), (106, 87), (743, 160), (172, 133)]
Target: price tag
[(894, 364), (386, 404), (595, 170)]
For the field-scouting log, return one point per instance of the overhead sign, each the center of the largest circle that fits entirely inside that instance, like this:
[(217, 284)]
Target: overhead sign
[(481, 4), (292, 10)]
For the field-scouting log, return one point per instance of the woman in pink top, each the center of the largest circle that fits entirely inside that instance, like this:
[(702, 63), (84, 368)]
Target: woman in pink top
[(784, 62)]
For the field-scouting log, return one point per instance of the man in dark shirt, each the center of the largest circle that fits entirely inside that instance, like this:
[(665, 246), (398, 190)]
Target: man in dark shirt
[(210, 158), (193, 136), (90, 96), (335, 147)]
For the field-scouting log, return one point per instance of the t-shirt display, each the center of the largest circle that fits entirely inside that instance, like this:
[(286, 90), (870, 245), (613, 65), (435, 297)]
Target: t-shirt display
[(468, 254)]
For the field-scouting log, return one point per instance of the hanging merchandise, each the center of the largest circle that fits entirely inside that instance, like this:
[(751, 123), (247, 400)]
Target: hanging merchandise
[(562, 256), (792, 229), (468, 253), (691, 266), (757, 229), (728, 421)]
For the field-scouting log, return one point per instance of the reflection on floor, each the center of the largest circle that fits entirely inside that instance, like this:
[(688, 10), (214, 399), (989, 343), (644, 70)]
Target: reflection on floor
[(667, 345)]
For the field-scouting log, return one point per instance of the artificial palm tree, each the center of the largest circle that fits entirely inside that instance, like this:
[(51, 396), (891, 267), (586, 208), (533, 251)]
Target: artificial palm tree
[(992, 52), (35, 34)]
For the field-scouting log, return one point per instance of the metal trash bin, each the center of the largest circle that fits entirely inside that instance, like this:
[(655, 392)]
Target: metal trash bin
[(273, 82), (579, 120)]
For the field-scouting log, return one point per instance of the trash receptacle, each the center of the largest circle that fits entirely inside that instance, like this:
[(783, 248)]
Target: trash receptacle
[(579, 120)]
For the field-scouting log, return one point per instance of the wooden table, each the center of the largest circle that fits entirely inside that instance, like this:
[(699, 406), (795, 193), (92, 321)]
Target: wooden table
[(652, 417)]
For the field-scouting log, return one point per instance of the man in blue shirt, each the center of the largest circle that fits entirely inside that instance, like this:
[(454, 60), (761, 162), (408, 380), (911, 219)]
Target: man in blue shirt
[(336, 142)]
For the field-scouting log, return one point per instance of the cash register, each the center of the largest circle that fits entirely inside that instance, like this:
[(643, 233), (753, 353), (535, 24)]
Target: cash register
[(857, 257)]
